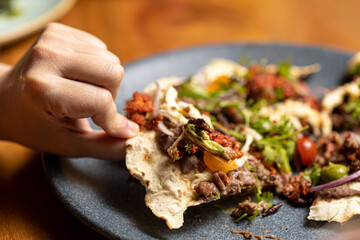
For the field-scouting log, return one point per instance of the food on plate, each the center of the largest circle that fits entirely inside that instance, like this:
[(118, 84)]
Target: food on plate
[(251, 130), (340, 153)]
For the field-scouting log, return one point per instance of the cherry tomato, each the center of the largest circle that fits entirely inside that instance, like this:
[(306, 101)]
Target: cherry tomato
[(307, 150), (216, 163)]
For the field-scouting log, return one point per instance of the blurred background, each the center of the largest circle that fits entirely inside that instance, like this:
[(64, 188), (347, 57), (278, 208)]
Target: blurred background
[(134, 29)]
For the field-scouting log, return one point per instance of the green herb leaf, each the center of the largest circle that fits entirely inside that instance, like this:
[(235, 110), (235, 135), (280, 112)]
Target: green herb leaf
[(193, 90), (354, 70), (285, 69), (241, 217), (267, 197), (218, 196), (314, 175), (204, 141), (233, 133), (257, 194), (353, 108), (188, 147), (251, 218)]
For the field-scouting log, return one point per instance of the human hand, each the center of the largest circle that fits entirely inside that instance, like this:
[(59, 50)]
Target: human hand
[(67, 76)]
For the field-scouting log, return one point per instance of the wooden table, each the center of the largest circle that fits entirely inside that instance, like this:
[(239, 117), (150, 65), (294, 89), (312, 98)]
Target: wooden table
[(133, 29)]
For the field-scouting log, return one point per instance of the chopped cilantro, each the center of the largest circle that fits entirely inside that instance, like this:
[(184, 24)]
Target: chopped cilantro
[(218, 196), (279, 95), (284, 69), (354, 70), (193, 90), (241, 217), (233, 133), (258, 192), (267, 197), (188, 147), (353, 108), (279, 149), (251, 218), (314, 175)]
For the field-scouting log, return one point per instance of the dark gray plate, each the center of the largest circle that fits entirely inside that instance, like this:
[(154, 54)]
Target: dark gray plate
[(102, 195)]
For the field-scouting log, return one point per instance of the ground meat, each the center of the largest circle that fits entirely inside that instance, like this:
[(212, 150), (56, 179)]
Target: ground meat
[(139, 118), (271, 86), (264, 85), (243, 181), (221, 180), (233, 115), (200, 124), (342, 120), (268, 176), (337, 192), (207, 190), (249, 208), (296, 189), (138, 106), (330, 149), (247, 234), (165, 141), (343, 148), (352, 151), (191, 162)]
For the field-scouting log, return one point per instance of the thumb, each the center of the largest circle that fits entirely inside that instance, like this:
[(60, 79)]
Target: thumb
[(99, 144), (114, 123)]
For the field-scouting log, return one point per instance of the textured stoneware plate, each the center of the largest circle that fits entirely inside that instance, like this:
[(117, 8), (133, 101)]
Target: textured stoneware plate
[(32, 16), (104, 197)]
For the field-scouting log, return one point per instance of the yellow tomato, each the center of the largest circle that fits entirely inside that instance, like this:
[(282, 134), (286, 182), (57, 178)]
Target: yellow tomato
[(216, 84), (216, 163)]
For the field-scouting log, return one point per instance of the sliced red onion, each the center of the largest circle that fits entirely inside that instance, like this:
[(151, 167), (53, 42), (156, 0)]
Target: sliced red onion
[(336, 183), (346, 134), (164, 129), (156, 100)]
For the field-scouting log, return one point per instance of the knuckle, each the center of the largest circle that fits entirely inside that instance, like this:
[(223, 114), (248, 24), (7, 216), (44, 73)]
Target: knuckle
[(113, 73), (34, 84), (39, 51), (43, 52), (47, 36), (113, 57), (103, 99), (53, 26)]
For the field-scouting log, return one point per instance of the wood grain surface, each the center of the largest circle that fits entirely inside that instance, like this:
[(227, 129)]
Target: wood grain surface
[(133, 29)]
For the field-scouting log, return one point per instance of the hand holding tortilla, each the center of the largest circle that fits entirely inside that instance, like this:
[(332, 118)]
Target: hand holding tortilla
[(67, 76)]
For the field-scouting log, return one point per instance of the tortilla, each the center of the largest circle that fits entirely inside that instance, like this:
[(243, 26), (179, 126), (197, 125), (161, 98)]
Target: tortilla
[(338, 210), (169, 192)]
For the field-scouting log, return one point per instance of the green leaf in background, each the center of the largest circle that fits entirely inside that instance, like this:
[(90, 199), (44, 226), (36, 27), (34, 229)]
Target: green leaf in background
[(284, 69), (354, 70), (353, 108)]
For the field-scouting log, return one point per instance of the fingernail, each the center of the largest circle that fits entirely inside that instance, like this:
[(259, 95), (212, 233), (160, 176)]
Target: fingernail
[(124, 128)]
